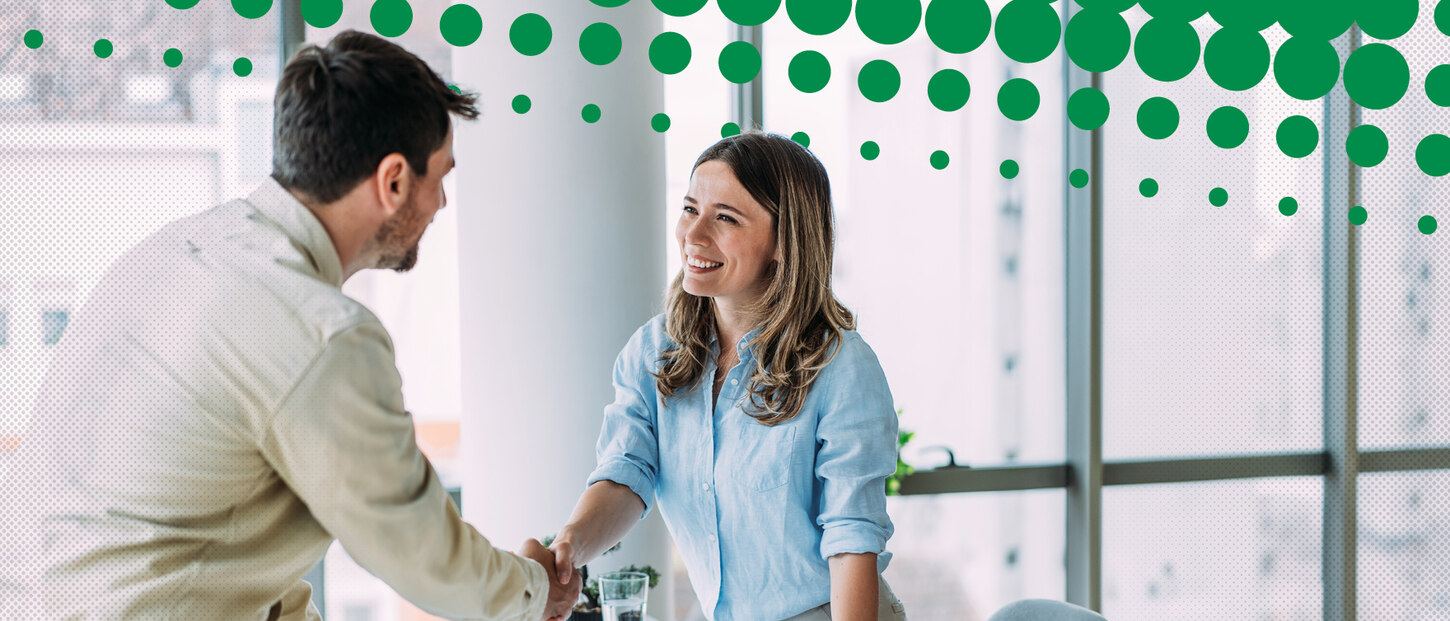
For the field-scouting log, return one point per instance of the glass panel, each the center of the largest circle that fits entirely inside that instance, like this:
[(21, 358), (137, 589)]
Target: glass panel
[(1404, 539), (1217, 550), (1404, 309), (1211, 315), (963, 556), (955, 275), (110, 149)]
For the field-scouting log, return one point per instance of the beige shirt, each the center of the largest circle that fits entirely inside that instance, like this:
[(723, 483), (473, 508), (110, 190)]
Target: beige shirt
[(215, 416)]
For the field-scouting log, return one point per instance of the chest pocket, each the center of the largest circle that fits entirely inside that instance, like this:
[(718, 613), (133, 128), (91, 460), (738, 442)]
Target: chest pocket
[(764, 460)]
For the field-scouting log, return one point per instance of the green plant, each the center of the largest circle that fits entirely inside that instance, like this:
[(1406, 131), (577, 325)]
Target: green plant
[(893, 482)]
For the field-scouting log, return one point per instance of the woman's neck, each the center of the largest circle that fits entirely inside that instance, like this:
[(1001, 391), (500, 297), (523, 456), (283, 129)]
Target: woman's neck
[(731, 325)]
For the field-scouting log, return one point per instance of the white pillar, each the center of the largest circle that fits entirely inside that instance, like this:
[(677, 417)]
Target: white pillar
[(561, 256)]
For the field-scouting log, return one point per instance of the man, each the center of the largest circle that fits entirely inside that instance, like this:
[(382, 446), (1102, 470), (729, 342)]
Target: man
[(220, 411)]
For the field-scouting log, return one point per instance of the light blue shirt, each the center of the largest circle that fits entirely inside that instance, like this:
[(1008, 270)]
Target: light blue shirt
[(756, 510)]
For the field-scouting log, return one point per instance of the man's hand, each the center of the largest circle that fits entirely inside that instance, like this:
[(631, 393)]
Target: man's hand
[(562, 593)]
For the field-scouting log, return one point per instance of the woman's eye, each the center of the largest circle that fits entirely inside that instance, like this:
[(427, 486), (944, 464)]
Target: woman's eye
[(728, 219), (689, 209)]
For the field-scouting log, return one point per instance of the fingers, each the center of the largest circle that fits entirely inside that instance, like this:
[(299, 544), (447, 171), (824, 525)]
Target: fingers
[(564, 561)]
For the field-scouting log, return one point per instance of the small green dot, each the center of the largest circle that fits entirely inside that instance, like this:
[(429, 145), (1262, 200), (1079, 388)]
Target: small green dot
[(1228, 127), (1358, 215), (1367, 146), (33, 39), (660, 122), (1087, 108), (1433, 155), (1148, 187), (590, 113), (104, 48), (454, 88), (172, 58), (802, 139), (390, 18), (1428, 224), (1157, 118), (739, 62), (729, 129), (242, 67), (870, 150), (1297, 136), (609, 4), (939, 159), (320, 13), (1018, 98), (1078, 178), (809, 71), (669, 53), (1288, 206), (531, 34), (878, 81), (1009, 169), (522, 104), (600, 43), (1218, 197), (460, 25), (948, 90)]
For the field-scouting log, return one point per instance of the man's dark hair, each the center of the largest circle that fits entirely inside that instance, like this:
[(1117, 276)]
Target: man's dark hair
[(341, 109)]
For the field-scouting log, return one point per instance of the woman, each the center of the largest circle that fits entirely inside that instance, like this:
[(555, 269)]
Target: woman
[(751, 409)]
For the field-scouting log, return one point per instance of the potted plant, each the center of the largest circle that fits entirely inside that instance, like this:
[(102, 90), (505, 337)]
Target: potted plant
[(589, 607)]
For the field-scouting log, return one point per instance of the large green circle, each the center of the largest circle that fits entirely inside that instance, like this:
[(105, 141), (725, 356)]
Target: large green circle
[(1028, 30), (460, 25), (1442, 17), (391, 18), (1018, 99), (1088, 108), (1388, 19), (958, 26), (1166, 50), (809, 71), (600, 43), (948, 90), (1437, 86), (1306, 68), (669, 53), (888, 22), (1157, 118), (1433, 155), (1078, 178), (321, 13), (818, 17), (801, 138), (1009, 169), (1317, 19), (660, 122), (1297, 136), (1376, 76), (748, 12), (1367, 146), (1097, 40), (1183, 11), (729, 129), (531, 34), (739, 62), (609, 4), (878, 81), (1228, 127), (253, 9), (1236, 58), (679, 8), (181, 4), (1254, 15)]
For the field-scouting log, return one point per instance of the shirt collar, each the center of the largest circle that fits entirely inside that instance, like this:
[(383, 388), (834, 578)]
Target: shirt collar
[(741, 348), (301, 226)]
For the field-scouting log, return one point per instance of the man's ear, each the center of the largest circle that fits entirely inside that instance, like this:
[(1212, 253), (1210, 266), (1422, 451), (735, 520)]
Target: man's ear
[(392, 183)]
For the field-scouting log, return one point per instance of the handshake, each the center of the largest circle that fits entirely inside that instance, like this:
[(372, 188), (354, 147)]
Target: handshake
[(564, 582)]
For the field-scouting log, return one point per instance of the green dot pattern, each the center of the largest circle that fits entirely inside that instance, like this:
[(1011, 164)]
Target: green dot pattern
[(172, 58), (1442, 17), (1157, 118), (1148, 187), (181, 4), (33, 39), (888, 22), (809, 71), (870, 150), (600, 43), (391, 18), (590, 113), (660, 122), (878, 81), (1367, 146), (1358, 215), (251, 9), (1236, 59), (958, 26), (748, 12), (1437, 86), (1306, 68), (609, 4), (669, 53), (729, 129), (321, 13), (1427, 224), (1315, 19), (522, 104), (940, 159), (1244, 14), (739, 62), (1018, 99), (1097, 39), (1175, 10), (818, 17), (1166, 50), (531, 34), (1009, 169), (948, 90), (1078, 178), (1389, 19), (679, 8), (460, 25), (1028, 30), (1288, 206), (1433, 155), (1218, 197), (103, 48), (1088, 108), (242, 67), (1228, 127), (1297, 136), (802, 139), (1376, 76)]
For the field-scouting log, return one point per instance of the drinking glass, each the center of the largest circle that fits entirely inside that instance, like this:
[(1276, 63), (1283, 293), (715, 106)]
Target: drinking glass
[(623, 595)]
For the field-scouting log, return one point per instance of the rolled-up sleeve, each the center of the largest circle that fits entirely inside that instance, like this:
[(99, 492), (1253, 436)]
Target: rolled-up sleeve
[(628, 448), (856, 434), (344, 444)]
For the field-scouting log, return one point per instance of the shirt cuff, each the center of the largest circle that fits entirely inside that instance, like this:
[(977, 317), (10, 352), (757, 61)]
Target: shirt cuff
[(852, 538), (628, 475), (536, 594)]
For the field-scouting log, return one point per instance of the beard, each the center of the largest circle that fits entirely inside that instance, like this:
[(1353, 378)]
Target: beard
[(398, 239)]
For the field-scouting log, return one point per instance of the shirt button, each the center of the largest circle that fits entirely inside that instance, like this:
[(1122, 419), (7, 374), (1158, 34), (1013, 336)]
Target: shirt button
[(712, 538), (734, 382), (705, 486)]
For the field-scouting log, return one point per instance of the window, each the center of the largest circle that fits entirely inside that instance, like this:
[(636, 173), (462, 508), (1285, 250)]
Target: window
[(52, 325)]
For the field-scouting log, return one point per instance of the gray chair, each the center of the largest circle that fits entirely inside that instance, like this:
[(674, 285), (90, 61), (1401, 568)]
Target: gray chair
[(1044, 610)]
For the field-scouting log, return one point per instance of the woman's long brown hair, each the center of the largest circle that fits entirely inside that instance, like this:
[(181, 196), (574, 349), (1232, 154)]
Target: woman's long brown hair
[(798, 316)]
